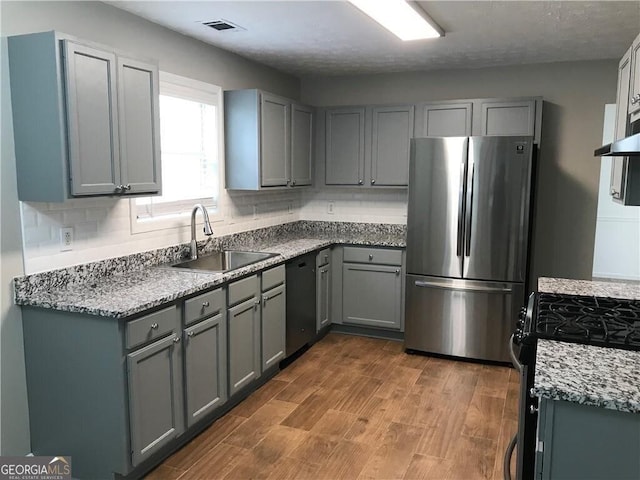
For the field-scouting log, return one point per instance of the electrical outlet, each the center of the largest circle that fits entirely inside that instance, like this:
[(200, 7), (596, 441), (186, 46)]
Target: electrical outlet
[(66, 239), (330, 206), (255, 212)]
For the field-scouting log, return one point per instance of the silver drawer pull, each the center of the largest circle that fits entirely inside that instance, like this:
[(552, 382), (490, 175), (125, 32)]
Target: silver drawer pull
[(370, 256), (176, 339), (154, 326), (190, 334), (205, 304), (397, 271)]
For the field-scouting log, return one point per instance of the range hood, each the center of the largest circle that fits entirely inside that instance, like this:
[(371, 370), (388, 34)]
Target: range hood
[(625, 147)]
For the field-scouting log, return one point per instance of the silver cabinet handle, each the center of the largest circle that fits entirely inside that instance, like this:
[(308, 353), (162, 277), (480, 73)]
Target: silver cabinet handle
[(176, 339), (205, 304), (633, 100), (190, 334), (373, 182), (154, 326), (397, 271), (370, 256), (127, 187), (118, 188), (293, 183), (256, 304), (360, 182), (264, 301)]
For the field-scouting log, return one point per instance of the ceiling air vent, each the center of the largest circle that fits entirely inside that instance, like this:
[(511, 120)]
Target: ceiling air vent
[(222, 26)]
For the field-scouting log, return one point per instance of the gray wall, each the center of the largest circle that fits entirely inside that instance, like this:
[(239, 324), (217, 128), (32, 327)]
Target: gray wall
[(108, 25), (575, 94)]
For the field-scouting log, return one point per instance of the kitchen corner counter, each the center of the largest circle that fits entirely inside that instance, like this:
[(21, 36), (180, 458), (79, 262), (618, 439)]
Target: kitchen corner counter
[(121, 288), (592, 288), (588, 375)]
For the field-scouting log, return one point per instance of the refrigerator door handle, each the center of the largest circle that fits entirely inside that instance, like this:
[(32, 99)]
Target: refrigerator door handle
[(460, 245), (449, 286), (469, 209)]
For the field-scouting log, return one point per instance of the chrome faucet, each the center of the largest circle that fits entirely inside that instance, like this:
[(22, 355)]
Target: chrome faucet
[(207, 228)]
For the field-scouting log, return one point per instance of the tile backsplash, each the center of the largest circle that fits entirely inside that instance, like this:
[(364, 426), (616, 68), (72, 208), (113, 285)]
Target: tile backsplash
[(102, 226)]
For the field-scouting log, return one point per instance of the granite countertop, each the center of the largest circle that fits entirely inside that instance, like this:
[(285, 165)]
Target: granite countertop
[(588, 375), (593, 288), (97, 290)]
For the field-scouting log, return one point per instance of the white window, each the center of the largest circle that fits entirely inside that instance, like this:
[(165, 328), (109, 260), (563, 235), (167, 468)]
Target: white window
[(191, 150)]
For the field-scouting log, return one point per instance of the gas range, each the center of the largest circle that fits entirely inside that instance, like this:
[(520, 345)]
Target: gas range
[(599, 321), (603, 322)]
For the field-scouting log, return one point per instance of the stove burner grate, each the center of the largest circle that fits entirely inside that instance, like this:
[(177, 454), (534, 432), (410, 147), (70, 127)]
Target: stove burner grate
[(594, 320)]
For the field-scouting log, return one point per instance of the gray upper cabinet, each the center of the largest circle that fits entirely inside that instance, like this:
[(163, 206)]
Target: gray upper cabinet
[(444, 119), (619, 164), (634, 85), (344, 149), (392, 128), (205, 366), (267, 141), (90, 111), (498, 117), (368, 145), (301, 145), (275, 134)]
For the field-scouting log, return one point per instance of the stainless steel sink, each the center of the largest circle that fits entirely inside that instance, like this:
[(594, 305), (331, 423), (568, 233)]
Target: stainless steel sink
[(224, 261)]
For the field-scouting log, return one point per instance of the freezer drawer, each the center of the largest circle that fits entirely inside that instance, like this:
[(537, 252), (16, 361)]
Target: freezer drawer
[(463, 318)]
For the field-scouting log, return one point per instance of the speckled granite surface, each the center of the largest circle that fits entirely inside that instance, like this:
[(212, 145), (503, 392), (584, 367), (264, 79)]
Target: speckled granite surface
[(567, 286), (602, 377), (121, 287)]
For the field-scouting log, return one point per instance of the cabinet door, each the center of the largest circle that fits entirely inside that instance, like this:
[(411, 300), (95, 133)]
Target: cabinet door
[(634, 93), (205, 367), (92, 115), (372, 295), (244, 344), (508, 118), (392, 130), (301, 145), (344, 149), (139, 126), (619, 164), (273, 326), (444, 120), (275, 140), (155, 397), (323, 296)]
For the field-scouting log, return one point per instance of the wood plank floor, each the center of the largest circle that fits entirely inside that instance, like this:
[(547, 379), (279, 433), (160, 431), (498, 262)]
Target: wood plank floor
[(360, 408)]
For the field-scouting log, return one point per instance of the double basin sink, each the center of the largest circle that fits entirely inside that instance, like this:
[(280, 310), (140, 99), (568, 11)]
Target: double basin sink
[(224, 261)]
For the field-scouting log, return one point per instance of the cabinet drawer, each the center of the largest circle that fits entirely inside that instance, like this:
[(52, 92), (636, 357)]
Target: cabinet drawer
[(380, 256), (272, 277), (205, 305), (151, 326), (323, 257), (243, 289)]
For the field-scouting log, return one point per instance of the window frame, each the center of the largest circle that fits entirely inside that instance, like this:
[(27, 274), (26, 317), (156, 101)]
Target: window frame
[(183, 87)]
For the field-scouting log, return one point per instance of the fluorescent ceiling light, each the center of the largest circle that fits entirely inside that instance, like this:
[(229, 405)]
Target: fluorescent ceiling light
[(405, 21)]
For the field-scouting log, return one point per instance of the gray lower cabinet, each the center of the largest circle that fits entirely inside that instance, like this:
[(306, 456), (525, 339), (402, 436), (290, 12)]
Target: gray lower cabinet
[(155, 396), (273, 326), (90, 111), (244, 333), (577, 441), (205, 367), (372, 287), (323, 289)]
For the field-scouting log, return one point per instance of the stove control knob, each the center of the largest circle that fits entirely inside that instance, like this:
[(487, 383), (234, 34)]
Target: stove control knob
[(533, 409), (523, 313), (531, 392)]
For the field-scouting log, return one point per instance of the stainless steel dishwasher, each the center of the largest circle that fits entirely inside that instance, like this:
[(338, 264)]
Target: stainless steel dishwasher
[(301, 302)]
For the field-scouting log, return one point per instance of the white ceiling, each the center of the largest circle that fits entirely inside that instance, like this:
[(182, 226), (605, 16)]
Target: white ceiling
[(333, 37)]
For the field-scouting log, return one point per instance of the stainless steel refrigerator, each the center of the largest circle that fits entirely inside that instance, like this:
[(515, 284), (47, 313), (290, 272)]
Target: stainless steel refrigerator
[(467, 243)]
